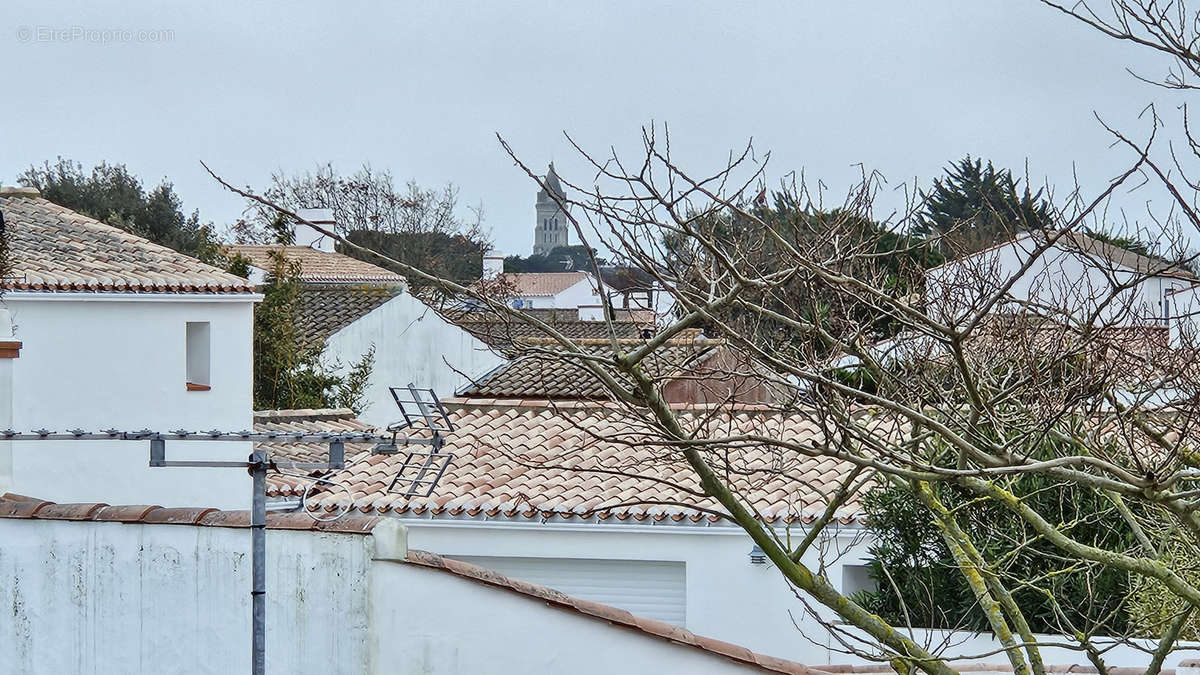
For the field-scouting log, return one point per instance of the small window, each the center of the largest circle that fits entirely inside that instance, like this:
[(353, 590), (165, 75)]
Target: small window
[(856, 578), (198, 355)]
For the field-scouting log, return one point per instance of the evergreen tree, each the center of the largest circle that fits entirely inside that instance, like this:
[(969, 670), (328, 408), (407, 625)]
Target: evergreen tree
[(287, 373), (976, 205), (561, 259), (113, 195)]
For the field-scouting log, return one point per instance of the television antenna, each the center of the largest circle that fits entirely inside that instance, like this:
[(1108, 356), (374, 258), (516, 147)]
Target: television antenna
[(429, 418)]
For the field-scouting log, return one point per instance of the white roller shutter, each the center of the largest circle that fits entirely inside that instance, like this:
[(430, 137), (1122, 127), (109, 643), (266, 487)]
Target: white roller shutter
[(650, 588)]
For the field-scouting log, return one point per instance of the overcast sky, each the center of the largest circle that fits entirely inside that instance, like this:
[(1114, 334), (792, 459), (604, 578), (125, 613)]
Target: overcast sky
[(421, 89)]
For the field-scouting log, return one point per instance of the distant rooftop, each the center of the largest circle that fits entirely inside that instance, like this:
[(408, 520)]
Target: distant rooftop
[(530, 460), (540, 284), (318, 266)]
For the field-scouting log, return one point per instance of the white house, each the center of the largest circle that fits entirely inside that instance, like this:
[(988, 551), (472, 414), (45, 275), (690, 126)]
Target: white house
[(528, 496), (626, 289), (544, 290), (110, 331), (566, 497), (352, 306), (150, 591), (1077, 274)]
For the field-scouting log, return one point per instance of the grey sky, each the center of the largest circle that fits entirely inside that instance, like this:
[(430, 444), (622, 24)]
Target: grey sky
[(421, 89)]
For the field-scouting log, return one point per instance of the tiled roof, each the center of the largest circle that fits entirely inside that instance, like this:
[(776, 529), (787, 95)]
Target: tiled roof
[(1124, 257), (318, 266), (530, 460), (495, 330), (335, 420), (539, 284), (1091, 246), (324, 309), (52, 248), (27, 508), (544, 370)]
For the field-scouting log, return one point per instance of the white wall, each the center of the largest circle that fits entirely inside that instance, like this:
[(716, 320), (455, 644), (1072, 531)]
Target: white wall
[(466, 627), (120, 362), (728, 598), (582, 293), (101, 598), (6, 403), (1061, 278), (98, 598), (412, 344)]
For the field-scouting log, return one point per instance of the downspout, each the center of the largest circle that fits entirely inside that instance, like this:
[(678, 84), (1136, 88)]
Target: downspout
[(10, 348)]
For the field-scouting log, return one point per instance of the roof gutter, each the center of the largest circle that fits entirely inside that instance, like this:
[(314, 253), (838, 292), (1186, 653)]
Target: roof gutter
[(107, 296)]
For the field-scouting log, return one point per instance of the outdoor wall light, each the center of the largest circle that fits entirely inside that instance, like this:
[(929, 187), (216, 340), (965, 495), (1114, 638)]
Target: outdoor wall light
[(757, 556)]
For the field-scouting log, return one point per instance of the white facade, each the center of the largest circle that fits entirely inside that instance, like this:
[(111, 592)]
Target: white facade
[(105, 597), (97, 361), (110, 597), (1064, 278), (579, 294), (412, 344), (726, 596)]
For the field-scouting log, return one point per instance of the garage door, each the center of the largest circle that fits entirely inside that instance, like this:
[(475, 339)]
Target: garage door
[(650, 588)]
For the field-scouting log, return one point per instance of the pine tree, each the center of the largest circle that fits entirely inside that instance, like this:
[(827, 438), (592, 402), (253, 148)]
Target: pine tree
[(975, 205)]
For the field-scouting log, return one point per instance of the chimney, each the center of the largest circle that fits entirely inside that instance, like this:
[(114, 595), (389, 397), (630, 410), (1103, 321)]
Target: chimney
[(591, 312), (493, 264), (10, 348), (307, 236)]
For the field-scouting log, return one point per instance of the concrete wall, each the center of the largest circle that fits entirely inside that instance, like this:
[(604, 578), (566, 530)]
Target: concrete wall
[(98, 598), (412, 344), (119, 361)]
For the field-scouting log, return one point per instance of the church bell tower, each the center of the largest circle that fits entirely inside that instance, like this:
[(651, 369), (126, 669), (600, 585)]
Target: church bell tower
[(552, 226)]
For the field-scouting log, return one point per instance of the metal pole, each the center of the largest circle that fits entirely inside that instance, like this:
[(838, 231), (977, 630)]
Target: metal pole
[(258, 553)]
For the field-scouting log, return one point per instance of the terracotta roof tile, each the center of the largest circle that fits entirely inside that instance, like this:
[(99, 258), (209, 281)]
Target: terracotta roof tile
[(318, 266), (499, 331), (327, 420), (68, 511), (545, 370), (594, 462), (324, 310), (540, 284), (52, 248)]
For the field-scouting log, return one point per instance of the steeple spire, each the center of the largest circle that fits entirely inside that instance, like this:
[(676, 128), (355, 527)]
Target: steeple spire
[(551, 230)]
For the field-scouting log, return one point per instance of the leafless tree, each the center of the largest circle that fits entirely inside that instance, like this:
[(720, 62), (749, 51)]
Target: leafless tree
[(1047, 363)]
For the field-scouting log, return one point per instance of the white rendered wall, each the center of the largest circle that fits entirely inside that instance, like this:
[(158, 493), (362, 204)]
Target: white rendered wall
[(467, 627), (412, 344), (6, 403), (97, 598), (1061, 278), (728, 598), (105, 363), (582, 293)]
